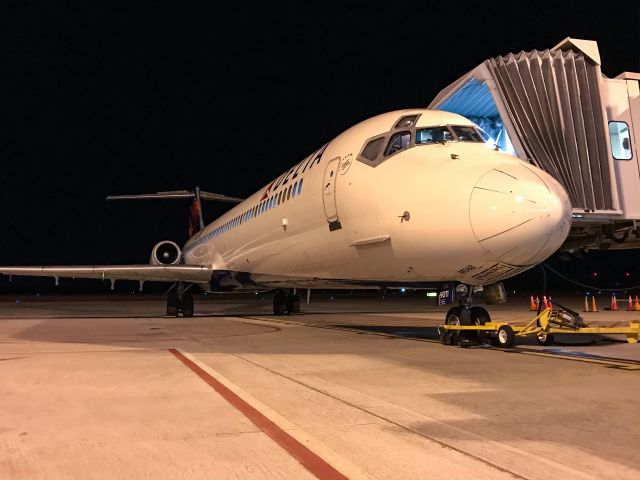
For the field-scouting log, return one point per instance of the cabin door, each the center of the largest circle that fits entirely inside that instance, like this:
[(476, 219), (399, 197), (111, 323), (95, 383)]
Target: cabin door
[(329, 191)]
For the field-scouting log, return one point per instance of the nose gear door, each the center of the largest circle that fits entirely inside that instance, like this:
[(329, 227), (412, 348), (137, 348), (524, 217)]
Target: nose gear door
[(329, 193)]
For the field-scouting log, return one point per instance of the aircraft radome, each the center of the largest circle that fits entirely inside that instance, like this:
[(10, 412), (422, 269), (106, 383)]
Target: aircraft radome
[(411, 198)]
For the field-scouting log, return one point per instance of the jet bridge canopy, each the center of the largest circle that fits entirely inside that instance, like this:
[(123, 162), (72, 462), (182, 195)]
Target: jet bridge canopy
[(549, 107), (555, 109)]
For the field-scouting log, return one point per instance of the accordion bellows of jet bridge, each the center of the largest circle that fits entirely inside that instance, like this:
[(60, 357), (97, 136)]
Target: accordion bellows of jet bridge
[(556, 109)]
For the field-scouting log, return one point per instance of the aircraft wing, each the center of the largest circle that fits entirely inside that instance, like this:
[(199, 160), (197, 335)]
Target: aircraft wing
[(160, 273)]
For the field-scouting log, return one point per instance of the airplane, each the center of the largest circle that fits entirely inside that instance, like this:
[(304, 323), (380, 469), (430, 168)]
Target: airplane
[(413, 198)]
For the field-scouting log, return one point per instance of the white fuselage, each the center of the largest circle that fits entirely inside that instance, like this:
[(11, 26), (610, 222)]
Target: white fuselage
[(450, 211)]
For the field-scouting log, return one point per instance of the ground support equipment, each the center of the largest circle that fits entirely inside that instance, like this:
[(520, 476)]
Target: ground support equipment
[(544, 326)]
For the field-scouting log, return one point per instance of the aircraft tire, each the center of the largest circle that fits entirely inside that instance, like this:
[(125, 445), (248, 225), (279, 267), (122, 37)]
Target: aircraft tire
[(453, 318), (293, 304), (479, 316), (187, 305), (280, 303), (172, 305)]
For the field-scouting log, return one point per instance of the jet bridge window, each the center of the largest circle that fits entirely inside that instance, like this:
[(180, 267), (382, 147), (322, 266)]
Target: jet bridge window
[(620, 141), (426, 136), (398, 142), (467, 134)]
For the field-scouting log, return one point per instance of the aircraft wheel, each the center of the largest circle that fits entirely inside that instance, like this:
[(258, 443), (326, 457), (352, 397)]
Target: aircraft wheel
[(172, 305), (280, 303), (479, 316), (545, 339), (506, 337), (187, 305), (293, 304), (453, 317)]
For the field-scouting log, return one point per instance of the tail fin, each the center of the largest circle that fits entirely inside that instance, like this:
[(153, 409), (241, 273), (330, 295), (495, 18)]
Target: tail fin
[(196, 222)]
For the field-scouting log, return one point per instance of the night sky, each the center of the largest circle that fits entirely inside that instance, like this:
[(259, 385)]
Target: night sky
[(100, 100)]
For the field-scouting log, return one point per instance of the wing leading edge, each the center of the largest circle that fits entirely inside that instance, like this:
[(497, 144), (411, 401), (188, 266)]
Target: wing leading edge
[(160, 273)]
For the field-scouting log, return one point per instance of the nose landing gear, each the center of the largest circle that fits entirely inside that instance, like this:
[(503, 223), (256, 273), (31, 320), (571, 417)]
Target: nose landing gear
[(464, 315), (179, 302), (285, 303)]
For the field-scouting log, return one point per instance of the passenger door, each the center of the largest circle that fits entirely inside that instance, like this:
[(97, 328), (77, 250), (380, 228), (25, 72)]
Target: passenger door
[(329, 193)]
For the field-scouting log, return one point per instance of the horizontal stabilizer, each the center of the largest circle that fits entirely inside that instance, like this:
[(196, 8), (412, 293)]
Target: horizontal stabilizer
[(178, 194), (159, 273)]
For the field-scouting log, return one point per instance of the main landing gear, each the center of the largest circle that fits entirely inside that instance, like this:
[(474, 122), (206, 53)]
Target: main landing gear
[(179, 302), (286, 303)]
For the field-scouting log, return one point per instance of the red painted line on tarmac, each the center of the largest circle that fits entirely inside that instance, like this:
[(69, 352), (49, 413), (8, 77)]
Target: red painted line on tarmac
[(312, 462)]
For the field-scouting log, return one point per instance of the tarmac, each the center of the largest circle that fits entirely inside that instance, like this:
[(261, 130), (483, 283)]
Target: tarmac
[(106, 387)]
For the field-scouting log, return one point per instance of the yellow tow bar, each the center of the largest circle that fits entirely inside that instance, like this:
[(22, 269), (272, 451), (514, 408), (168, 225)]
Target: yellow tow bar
[(543, 326)]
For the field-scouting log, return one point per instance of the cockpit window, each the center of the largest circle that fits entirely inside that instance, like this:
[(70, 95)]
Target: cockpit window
[(373, 148), (467, 134), (407, 122), (433, 135), (398, 142)]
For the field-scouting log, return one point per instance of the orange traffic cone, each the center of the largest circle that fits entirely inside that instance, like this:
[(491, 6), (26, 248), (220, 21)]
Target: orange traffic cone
[(636, 305), (586, 303), (594, 307), (630, 304), (545, 302), (532, 304), (614, 303)]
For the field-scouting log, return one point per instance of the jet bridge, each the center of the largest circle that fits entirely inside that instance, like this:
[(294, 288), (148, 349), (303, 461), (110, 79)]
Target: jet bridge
[(555, 109)]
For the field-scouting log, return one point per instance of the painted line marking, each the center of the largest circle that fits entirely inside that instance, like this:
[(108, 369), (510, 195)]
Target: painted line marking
[(622, 363), (308, 459)]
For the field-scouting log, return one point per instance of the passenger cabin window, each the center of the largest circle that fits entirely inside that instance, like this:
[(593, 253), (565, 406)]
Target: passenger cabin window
[(426, 136), (407, 122), (467, 134), (620, 140), (398, 142), (373, 148)]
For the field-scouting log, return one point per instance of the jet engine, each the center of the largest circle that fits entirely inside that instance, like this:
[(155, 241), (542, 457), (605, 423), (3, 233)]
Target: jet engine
[(165, 253)]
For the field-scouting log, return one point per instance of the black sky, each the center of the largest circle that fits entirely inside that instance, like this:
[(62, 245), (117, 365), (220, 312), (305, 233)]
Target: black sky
[(100, 99)]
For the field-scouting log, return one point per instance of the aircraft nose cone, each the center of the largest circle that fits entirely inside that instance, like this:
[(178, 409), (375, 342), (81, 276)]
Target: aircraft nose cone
[(520, 214)]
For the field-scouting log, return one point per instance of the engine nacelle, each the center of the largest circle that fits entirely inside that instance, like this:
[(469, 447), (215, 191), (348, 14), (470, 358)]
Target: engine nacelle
[(166, 253)]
